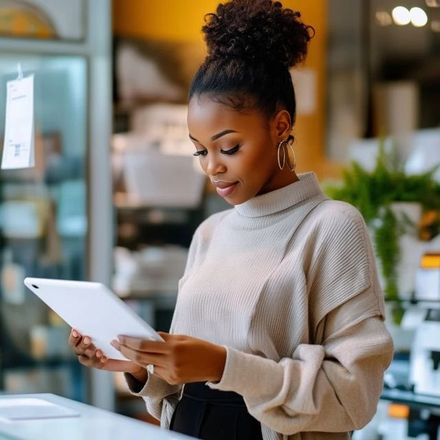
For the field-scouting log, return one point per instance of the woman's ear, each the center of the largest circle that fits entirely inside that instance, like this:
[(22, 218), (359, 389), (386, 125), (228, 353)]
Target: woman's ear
[(282, 124)]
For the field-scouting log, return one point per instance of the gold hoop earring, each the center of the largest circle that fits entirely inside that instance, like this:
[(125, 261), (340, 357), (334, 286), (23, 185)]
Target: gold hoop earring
[(292, 166), (281, 149)]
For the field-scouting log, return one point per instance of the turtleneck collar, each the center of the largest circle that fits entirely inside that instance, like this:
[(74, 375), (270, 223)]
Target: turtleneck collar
[(275, 201)]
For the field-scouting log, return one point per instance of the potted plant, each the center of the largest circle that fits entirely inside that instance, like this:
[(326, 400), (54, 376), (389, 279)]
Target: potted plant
[(374, 193)]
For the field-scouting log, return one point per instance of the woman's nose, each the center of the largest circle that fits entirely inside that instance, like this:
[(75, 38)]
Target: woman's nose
[(214, 166)]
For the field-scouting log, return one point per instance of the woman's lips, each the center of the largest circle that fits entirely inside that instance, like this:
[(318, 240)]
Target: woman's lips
[(223, 188)]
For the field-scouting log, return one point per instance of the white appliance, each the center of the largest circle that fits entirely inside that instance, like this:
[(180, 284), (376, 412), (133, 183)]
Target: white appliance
[(425, 355)]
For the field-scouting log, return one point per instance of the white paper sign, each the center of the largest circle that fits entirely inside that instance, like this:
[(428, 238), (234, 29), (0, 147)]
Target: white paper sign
[(18, 148)]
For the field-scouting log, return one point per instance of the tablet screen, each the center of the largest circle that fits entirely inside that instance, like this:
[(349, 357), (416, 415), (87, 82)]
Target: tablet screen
[(93, 310)]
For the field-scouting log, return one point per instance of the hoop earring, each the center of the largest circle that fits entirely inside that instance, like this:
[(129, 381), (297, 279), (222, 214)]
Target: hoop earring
[(291, 165), (281, 149)]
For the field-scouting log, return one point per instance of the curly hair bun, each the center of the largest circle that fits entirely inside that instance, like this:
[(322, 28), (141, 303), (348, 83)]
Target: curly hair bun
[(257, 31)]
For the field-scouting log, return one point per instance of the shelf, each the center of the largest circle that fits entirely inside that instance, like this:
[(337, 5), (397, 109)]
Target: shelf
[(414, 301), (42, 363), (410, 398), (124, 201)]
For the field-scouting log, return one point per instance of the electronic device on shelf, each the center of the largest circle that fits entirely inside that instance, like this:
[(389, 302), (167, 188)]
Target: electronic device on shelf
[(425, 355)]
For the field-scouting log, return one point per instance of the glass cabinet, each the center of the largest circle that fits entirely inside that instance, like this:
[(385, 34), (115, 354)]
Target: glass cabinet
[(43, 220), (55, 218)]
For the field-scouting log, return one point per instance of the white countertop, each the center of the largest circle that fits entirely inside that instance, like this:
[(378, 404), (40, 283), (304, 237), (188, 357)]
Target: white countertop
[(90, 423)]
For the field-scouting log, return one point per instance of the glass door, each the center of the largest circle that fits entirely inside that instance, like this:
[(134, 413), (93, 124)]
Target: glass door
[(56, 218)]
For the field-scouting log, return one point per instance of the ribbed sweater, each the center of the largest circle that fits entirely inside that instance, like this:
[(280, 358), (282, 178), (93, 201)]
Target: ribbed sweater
[(287, 283)]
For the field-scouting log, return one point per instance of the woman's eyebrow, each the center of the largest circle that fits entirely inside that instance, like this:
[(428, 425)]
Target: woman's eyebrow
[(216, 136)]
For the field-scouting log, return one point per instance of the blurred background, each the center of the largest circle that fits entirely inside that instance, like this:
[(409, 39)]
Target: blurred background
[(116, 195)]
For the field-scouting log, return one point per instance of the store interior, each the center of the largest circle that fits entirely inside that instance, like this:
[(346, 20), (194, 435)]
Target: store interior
[(115, 194)]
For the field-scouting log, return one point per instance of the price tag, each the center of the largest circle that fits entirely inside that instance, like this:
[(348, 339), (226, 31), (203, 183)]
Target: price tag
[(18, 148)]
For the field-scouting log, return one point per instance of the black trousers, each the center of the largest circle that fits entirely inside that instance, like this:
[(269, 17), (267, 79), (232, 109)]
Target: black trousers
[(214, 415)]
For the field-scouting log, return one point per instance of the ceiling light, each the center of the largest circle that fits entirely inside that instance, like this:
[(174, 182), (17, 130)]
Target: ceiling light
[(384, 18), (401, 15), (418, 17)]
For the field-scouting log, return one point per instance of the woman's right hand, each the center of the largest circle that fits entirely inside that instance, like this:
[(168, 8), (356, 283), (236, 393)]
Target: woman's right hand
[(90, 356)]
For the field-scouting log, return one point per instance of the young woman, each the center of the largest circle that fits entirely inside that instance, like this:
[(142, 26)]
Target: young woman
[(278, 330)]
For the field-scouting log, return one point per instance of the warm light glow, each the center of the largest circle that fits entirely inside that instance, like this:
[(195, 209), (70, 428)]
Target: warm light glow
[(384, 18), (435, 25), (401, 15), (418, 17), (433, 3)]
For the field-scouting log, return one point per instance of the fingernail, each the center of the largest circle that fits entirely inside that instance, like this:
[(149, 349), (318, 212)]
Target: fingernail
[(86, 340), (98, 354), (74, 333)]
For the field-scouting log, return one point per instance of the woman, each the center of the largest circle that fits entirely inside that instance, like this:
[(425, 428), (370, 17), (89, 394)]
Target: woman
[(278, 330)]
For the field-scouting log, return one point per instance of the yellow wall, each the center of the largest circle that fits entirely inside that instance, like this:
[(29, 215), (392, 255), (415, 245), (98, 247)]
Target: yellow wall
[(181, 20), (310, 129), (173, 20)]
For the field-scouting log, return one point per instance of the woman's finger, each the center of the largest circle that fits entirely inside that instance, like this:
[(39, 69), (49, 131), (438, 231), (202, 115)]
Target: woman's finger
[(90, 352), (74, 338), (85, 347), (106, 364), (84, 360), (119, 365), (92, 358), (142, 358), (165, 336), (141, 344), (86, 341)]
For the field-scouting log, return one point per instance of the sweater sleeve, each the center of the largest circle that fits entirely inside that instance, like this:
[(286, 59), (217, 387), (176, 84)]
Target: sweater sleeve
[(333, 387), (332, 384), (159, 395)]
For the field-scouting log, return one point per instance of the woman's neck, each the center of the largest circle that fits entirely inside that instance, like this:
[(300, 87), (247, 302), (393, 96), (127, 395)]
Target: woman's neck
[(280, 180)]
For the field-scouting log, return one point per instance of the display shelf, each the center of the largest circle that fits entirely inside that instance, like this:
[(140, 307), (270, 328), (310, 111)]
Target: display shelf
[(53, 362), (413, 301)]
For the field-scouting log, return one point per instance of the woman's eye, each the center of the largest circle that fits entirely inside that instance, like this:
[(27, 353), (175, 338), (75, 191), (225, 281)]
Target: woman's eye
[(200, 153), (231, 150)]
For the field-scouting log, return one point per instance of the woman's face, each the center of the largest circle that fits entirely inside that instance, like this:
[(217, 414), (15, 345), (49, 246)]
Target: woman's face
[(238, 150)]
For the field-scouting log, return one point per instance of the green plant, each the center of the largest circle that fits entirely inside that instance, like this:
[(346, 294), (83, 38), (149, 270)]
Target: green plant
[(373, 192)]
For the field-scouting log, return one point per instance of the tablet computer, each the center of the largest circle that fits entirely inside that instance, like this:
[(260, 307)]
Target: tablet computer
[(93, 310)]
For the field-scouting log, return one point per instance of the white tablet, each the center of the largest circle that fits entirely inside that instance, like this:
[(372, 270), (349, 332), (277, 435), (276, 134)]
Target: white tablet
[(93, 310)]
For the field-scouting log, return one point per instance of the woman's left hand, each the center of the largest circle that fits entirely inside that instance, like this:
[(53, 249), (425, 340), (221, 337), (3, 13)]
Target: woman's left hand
[(179, 359)]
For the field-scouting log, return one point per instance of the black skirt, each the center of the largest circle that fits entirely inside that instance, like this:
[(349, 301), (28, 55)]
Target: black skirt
[(214, 415)]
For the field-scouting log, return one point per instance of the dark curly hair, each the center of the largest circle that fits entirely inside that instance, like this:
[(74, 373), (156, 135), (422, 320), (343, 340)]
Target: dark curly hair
[(251, 46)]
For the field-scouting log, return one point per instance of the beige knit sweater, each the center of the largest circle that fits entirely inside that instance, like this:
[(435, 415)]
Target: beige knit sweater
[(287, 283)]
